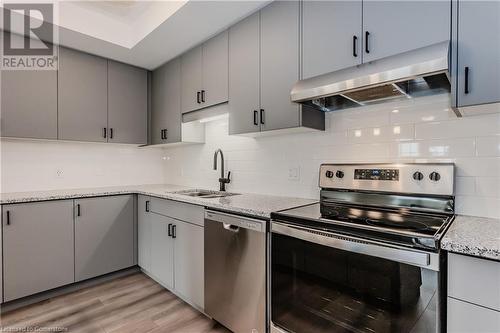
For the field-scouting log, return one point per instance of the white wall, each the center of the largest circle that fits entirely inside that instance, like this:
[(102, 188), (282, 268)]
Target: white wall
[(29, 165), (423, 130)]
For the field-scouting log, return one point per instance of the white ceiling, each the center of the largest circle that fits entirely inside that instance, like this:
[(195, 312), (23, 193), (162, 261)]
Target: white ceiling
[(144, 33)]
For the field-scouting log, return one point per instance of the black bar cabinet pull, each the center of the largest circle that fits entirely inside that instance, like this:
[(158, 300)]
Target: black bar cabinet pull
[(105, 132), (198, 97), (354, 43), (255, 118), (262, 120), (78, 212), (367, 35), (169, 229), (147, 205), (8, 217), (111, 133), (166, 134), (466, 85), (203, 96), (174, 231)]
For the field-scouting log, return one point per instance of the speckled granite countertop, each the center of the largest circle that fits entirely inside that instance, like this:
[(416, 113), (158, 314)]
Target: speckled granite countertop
[(475, 236), (244, 203)]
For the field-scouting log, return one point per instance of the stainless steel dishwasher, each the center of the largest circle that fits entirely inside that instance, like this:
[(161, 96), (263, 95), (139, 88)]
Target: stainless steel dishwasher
[(235, 271)]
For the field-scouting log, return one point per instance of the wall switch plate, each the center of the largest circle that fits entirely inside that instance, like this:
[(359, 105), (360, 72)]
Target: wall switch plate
[(294, 173)]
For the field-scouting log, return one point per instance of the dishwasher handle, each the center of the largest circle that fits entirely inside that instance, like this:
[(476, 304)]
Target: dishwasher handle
[(234, 223)]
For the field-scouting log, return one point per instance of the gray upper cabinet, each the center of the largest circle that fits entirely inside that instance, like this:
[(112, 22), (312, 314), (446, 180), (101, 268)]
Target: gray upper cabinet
[(205, 74), (127, 103), (82, 96), (215, 70), (162, 250), (331, 35), (244, 70), (37, 247), (166, 103), (29, 104), (279, 68), (104, 235), (478, 47), (392, 27), (191, 68)]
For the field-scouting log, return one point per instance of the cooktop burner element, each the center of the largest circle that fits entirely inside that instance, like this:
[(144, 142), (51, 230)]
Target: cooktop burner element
[(408, 204)]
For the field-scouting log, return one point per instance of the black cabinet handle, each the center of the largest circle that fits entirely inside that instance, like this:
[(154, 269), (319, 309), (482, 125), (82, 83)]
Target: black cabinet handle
[(466, 84), (367, 35), (198, 97), (147, 205), (169, 231), (166, 134), (8, 217), (354, 44), (105, 132), (203, 96), (255, 114), (262, 120), (78, 212), (163, 134), (174, 231), (111, 133)]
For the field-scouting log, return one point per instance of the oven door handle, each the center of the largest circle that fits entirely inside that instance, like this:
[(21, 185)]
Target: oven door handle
[(353, 244)]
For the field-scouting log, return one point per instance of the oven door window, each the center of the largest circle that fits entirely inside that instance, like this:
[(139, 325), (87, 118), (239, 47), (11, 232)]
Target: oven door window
[(315, 288)]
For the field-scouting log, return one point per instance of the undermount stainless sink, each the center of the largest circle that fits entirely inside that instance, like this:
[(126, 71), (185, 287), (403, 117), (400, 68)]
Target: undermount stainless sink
[(207, 194)]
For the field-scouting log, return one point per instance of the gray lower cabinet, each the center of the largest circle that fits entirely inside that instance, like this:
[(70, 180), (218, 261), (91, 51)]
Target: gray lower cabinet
[(166, 103), (82, 96), (381, 38), (127, 103), (104, 235), (331, 36), (29, 104), (189, 263), (37, 247), (464, 317), (244, 76), (477, 52), (162, 249), (144, 233)]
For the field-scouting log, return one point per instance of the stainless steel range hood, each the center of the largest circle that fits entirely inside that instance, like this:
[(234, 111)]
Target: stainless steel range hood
[(411, 74)]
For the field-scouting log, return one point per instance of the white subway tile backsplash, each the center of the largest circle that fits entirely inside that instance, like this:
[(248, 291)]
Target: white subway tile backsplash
[(488, 146), (465, 186), (434, 148), (488, 186), (459, 127)]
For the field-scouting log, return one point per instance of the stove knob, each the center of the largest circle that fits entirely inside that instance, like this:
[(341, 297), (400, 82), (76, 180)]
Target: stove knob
[(339, 174), (329, 174), (418, 175), (434, 176)]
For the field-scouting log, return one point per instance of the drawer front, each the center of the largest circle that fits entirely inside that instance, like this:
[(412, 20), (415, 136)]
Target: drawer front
[(474, 280), (178, 210), (466, 318)]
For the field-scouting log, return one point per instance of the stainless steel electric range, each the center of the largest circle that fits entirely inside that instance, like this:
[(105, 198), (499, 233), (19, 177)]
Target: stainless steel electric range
[(366, 258)]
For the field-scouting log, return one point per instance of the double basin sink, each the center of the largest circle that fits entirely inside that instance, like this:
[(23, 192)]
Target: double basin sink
[(206, 194)]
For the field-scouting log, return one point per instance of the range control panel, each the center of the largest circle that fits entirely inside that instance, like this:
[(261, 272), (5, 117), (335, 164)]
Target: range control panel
[(412, 178), (376, 174)]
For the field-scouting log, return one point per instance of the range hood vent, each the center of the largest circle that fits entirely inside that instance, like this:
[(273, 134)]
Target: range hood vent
[(416, 73)]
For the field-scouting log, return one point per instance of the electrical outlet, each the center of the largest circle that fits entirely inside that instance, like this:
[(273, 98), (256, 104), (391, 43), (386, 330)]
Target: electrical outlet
[(59, 173), (294, 173)]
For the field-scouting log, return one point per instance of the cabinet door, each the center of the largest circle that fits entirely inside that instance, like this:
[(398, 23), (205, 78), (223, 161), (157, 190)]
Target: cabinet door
[(82, 96), (244, 69), (37, 247), (400, 26), (191, 84), (29, 104), (144, 233), (189, 265), (464, 317), (166, 103), (331, 36), (104, 235), (162, 250), (478, 48), (215, 70), (127, 103), (279, 35)]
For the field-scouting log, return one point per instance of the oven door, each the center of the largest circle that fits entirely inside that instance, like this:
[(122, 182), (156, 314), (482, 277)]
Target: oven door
[(324, 282)]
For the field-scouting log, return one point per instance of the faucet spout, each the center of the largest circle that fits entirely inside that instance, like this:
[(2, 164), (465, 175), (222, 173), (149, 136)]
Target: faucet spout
[(223, 181)]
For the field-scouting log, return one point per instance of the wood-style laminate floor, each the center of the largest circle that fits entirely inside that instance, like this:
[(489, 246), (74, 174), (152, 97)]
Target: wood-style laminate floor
[(134, 303)]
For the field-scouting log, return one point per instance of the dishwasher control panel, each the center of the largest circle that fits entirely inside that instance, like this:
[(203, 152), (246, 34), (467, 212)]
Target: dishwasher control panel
[(236, 221)]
